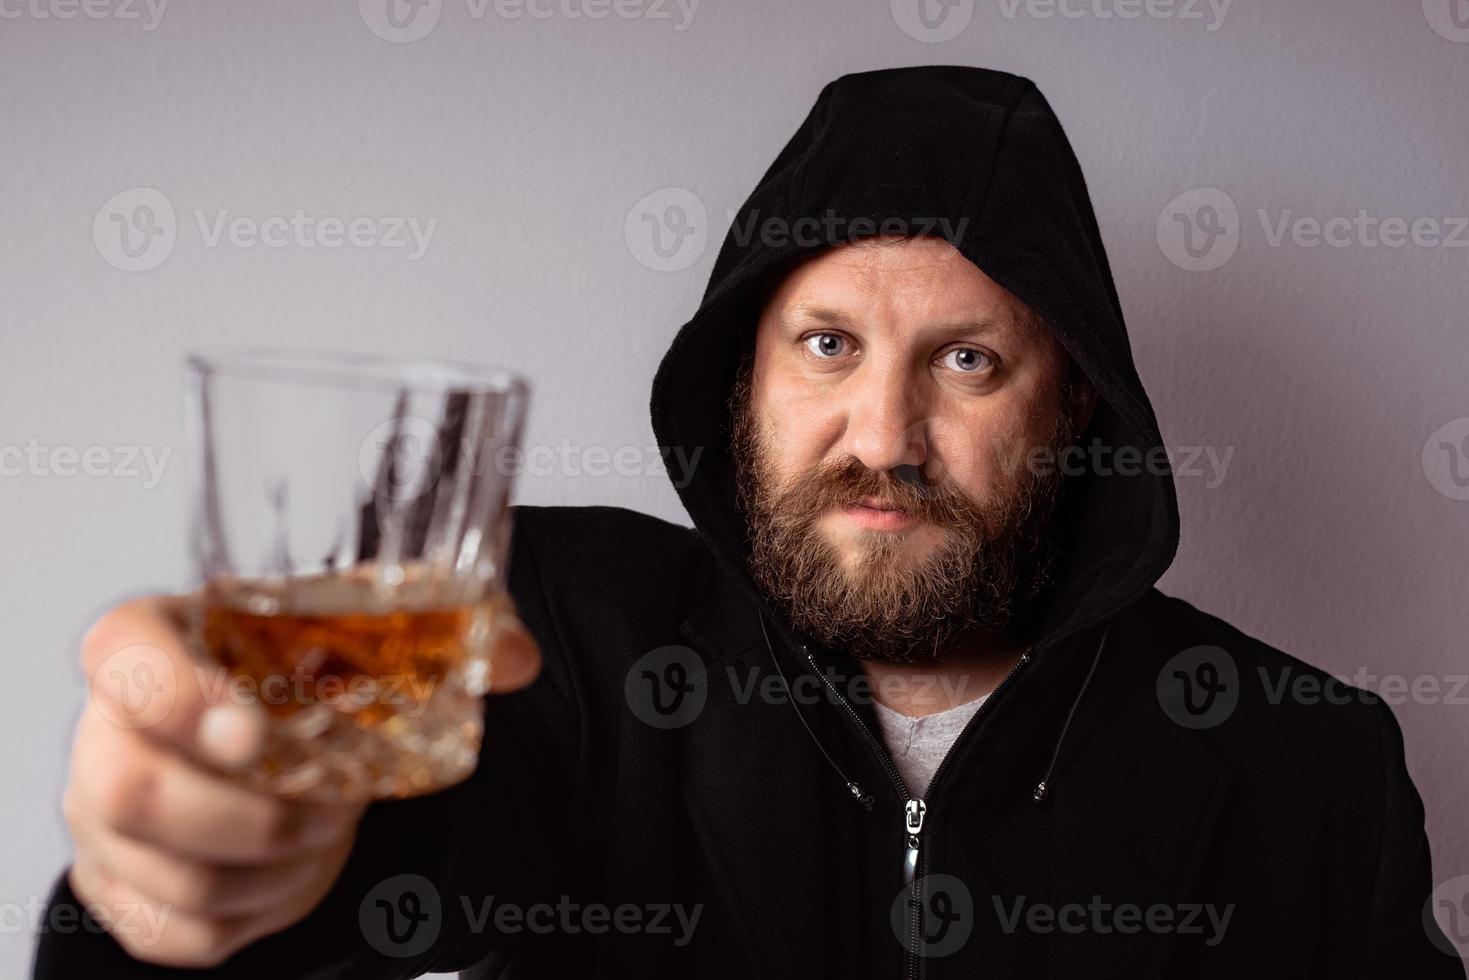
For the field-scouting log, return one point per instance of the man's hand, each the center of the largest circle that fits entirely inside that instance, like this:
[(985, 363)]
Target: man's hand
[(187, 866)]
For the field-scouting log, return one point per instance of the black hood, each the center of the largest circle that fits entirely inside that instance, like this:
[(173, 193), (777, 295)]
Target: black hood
[(977, 157)]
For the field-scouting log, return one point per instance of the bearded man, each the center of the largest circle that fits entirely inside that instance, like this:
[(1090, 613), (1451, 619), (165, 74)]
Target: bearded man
[(903, 702)]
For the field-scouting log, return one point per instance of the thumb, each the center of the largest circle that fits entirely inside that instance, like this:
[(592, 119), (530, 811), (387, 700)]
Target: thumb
[(143, 676)]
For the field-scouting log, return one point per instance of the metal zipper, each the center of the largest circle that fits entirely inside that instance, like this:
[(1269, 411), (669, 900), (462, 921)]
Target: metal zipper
[(914, 810), (938, 773)]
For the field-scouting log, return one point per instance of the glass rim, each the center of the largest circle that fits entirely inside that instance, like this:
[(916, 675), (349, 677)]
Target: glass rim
[(319, 367)]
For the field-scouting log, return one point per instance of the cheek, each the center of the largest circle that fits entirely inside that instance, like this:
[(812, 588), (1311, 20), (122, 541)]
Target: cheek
[(982, 452), (799, 431)]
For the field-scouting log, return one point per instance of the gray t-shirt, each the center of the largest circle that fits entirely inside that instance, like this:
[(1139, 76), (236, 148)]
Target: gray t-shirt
[(918, 745)]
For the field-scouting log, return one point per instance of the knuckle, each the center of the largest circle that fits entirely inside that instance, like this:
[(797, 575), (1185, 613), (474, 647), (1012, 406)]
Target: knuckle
[(136, 946), (206, 942), (280, 827), (196, 886), (125, 792), (184, 942), (120, 621)]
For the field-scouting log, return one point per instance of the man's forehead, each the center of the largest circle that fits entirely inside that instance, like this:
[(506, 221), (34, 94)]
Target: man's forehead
[(922, 278), (877, 254)]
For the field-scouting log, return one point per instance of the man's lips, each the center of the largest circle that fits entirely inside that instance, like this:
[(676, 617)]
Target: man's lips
[(877, 514)]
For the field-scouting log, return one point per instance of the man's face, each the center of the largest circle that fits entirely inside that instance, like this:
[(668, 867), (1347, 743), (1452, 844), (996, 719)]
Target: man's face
[(882, 432)]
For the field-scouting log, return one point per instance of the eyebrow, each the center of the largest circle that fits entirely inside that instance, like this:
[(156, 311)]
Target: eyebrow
[(828, 316)]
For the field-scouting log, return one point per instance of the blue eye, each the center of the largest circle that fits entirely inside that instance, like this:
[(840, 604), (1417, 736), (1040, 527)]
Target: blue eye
[(967, 360), (825, 345)]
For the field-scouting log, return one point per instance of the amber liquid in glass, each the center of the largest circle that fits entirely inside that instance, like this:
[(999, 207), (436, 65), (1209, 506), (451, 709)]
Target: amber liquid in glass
[(372, 691)]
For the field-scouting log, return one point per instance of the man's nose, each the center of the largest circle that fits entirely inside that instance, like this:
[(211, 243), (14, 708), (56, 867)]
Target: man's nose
[(885, 427)]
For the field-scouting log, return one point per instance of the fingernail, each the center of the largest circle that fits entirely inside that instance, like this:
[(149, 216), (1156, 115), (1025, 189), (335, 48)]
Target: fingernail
[(229, 735)]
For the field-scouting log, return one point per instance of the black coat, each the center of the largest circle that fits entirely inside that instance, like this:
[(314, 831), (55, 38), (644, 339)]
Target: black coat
[(1150, 794), (1298, 816)]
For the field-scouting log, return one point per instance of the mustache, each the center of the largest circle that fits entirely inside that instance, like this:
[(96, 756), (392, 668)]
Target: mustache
[(845, 481)]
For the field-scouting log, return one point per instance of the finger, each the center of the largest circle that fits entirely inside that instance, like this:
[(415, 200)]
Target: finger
[(153, 933), (143, 678), (142, 791), (199, 887), (516, 659)]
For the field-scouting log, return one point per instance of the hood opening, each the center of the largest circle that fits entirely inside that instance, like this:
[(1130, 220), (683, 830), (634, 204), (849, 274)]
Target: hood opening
[(977, 157)]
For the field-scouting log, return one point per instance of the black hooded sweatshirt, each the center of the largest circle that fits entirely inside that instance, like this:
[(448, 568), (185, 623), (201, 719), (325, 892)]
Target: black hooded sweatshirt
[(1147, 795)]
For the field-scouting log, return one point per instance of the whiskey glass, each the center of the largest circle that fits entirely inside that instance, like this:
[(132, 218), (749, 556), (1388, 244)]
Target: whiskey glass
[(349, 530)]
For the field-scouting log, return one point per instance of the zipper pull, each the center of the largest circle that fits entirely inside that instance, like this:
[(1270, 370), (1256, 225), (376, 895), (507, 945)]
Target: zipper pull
[(913, 814)]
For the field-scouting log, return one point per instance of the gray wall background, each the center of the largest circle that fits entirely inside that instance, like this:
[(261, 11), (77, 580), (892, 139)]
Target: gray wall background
[(537, 144)]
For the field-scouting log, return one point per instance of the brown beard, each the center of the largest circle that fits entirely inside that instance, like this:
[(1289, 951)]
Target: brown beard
[(995, 560)]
